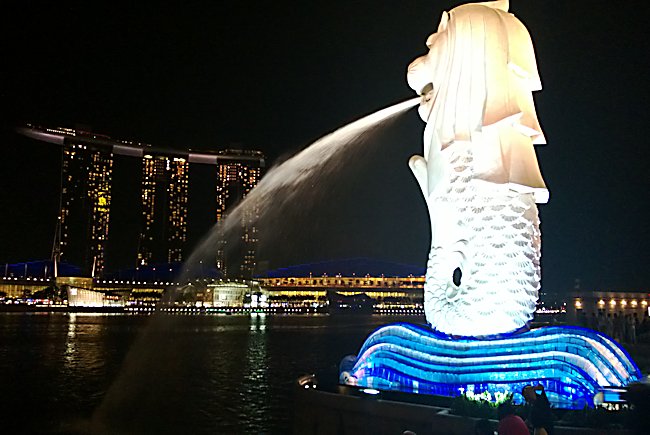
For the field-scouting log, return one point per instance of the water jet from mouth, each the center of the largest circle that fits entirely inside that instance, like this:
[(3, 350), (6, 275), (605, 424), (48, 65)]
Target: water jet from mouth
[(150, 369), (279, 188)]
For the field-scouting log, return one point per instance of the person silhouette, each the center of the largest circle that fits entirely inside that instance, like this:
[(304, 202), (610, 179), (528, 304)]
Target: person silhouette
[(540, 416)]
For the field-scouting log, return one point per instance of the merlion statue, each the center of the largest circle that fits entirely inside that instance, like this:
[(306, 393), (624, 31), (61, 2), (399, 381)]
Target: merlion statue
[(479, 172), (481, 181)]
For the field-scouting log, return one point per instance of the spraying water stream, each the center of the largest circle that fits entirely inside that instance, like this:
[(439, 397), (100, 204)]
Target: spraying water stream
[(288, 178), (152, 368)]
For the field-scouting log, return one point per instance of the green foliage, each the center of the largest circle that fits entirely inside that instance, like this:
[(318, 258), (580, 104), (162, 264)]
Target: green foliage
[(478, 406), (471, 408)]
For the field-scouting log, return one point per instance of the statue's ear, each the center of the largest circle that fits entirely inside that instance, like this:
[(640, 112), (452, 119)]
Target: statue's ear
[(503, 5), (443, 22)]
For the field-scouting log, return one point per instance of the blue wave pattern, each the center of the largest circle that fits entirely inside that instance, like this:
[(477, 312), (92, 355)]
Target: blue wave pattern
[(572, 363)]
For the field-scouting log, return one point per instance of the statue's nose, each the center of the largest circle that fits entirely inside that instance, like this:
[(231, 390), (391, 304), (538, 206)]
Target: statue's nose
[(416, 74)]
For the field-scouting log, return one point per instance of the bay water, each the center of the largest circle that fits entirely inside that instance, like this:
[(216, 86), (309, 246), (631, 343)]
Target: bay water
[(201, 374)]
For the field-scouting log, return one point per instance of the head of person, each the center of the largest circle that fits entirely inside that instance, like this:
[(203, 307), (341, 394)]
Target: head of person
[(529, 394)]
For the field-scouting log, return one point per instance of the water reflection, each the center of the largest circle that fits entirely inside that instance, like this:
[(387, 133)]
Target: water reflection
[(209, 374), (85, 345), (255, 386), (70, 342), (258, 321)]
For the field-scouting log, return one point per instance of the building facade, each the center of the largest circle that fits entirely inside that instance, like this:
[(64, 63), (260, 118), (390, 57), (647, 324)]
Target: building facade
[(386, 291), (83, 220), (238, 173), (163, 231), (583, 305)]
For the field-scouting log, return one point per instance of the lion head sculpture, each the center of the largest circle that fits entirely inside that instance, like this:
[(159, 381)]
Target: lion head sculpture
[(476, 83)]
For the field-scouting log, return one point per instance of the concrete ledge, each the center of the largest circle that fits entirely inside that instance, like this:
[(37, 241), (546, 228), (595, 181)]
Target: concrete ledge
[(321, 412)]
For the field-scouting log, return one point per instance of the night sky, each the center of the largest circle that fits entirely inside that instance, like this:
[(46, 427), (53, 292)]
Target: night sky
[(276, 75)]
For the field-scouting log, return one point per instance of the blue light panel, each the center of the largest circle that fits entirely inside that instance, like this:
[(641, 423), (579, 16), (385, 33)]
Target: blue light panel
[(572, 363)]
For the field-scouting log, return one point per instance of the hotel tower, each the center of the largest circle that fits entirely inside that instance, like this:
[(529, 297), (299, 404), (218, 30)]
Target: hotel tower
[(163, 227), (238, 173), (85, 201)]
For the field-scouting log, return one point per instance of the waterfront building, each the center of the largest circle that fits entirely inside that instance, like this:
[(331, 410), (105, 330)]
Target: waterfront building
[(163, 230), (386, 291), (389, 285), (228, 294), (239, 171), (15, 288), (85, 201), (583, 305), (83, 293)]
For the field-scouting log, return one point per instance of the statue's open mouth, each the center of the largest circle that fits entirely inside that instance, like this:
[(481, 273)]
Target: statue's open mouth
[(426, 93), (426, 101)]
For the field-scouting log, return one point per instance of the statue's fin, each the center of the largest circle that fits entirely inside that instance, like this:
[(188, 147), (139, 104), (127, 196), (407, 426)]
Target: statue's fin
[(418, 166)]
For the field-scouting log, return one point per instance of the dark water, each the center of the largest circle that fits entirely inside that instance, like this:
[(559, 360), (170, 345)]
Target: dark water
[(83, 373)]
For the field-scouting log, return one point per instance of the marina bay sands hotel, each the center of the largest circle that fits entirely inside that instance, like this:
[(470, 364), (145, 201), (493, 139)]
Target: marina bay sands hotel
[(85, 204)]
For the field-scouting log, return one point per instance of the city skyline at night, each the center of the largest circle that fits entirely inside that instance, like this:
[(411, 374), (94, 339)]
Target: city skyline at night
[(275, 78), (87, 177), (326, 216)]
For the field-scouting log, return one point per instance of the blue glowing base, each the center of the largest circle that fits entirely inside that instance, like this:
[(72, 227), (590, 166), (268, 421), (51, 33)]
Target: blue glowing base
[(572, 363)]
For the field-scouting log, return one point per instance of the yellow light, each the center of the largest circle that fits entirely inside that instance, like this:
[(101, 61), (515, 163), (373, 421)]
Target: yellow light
[(601, 302), (634, 303), (644, 303), (578, 304), (623, 302), (612, 303)]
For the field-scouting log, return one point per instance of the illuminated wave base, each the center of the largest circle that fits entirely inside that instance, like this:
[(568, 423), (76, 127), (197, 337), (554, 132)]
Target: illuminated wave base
[(572, 363)]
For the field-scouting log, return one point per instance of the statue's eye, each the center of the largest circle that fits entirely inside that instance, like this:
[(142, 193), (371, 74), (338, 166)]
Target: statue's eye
[(426, 89), (457, 276)]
